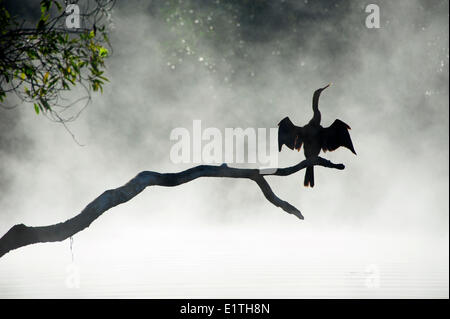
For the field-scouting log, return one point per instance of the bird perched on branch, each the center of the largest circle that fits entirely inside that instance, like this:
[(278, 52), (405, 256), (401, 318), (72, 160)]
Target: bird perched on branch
[(313, 136)]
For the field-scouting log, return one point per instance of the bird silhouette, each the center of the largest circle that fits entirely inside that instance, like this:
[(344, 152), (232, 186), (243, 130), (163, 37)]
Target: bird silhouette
[(313, 136)]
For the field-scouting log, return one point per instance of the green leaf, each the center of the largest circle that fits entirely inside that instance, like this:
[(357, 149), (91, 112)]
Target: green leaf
[(103, 52), (32, 54), (45, 104), (58, 5), (41, 24), (36, 108), (103, 78), (46, 77), (45, 6), (65, 85), (53, 82), (6, 13)]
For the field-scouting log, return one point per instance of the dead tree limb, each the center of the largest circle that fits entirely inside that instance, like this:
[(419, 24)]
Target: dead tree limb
[(21, 235)]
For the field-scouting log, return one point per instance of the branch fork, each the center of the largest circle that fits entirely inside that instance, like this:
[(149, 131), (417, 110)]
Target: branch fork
[(21, 235)]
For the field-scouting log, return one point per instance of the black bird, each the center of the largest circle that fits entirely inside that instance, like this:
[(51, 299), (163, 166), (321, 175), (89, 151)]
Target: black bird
[(314, 136)]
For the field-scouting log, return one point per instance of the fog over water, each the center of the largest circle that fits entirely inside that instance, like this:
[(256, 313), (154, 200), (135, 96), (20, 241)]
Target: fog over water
[(379, 228)]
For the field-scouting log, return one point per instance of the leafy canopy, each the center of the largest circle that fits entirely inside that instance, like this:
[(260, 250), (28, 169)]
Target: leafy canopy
[(41, 62)]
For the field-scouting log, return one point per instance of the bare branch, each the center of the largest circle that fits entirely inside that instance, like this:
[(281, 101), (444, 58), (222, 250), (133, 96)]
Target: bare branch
[(21, 235)]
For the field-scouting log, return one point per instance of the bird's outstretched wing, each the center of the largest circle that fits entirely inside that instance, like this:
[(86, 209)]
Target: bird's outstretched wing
[(289, 135), (335, 136)]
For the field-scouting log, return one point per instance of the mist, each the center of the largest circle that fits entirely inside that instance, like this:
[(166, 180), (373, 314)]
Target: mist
[(389, 207)]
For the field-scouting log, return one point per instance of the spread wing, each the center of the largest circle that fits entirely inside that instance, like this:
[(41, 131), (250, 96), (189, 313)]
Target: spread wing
[(335, 136), (289, 135)]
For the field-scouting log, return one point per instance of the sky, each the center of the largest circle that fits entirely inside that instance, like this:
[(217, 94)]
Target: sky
[(257, 65)]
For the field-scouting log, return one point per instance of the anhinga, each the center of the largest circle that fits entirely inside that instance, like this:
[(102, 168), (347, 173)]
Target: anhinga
[(314, 136)]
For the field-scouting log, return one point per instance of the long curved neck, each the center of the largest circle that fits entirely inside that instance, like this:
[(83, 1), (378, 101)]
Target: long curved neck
[(315, 105)]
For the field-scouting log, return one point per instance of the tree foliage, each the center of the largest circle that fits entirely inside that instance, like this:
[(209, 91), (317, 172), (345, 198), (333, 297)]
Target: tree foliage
[(41, 61)]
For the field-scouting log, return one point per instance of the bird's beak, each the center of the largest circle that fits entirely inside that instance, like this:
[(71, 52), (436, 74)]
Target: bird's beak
[(326, 86)]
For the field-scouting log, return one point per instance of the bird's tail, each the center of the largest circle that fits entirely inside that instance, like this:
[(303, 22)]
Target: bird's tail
[(309, 176)]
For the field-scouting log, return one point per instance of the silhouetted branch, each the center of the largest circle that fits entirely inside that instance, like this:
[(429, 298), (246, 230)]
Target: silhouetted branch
[(21, 235)]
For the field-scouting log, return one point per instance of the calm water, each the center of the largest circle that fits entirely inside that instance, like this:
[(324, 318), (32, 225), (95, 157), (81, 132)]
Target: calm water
[(214, 265)]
